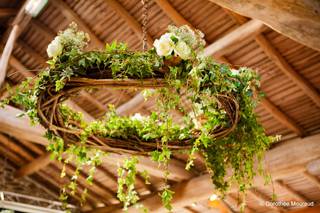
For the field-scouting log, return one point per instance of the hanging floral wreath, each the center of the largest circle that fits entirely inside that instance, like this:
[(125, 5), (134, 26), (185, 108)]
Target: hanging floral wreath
[(219, 123)]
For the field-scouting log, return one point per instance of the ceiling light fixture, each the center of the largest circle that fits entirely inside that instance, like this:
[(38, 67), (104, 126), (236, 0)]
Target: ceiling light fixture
[(34, 7)]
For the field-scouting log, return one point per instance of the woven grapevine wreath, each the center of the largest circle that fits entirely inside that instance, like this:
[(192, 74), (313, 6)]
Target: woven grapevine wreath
[(218, 117)]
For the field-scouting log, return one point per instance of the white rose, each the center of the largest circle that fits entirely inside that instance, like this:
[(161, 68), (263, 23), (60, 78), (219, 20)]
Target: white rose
[(235, 72), (55, 47), (182, 49), (137, 116), (164, 45)]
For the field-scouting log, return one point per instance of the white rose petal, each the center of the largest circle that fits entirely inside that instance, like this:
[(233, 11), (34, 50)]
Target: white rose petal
[(164, 45), (182, 49), (235, 72), (55, 47), (137, 116)]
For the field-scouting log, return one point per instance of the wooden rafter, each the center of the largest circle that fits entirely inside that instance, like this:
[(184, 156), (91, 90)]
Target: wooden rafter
[(281, 116), (16, 161), (260, 197), (280, 61), (290, 191), (71, 15), (23, 157), (249, 29), (298, 152), (174, 15), (298, 20), (235, 203), (315, 209), (313, 179), (129, 19)]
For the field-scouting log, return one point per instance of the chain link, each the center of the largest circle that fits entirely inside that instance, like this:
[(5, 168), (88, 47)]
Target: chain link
[(144, 24)]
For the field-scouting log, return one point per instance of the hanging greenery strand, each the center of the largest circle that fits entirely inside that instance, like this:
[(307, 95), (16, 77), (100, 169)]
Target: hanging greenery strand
[(220, 122)]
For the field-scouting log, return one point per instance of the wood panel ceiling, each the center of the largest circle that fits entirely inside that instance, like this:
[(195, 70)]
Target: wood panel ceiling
[(290, 79)]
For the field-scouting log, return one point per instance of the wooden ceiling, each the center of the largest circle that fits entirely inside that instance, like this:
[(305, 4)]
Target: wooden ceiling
[(290, 79)]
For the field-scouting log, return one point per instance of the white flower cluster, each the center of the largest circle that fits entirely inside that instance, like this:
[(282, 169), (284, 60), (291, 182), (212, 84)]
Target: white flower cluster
[(137, 116), (69, 38), (169, 43), (55, 47)]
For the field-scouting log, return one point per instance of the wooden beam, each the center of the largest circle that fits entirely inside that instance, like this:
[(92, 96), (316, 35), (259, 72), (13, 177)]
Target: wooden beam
[(129, 19), (134, 103), (290, 191), (262, 198), (280, 61), (73, 16), (173, 14), (288, 157), (313, 179), (93, 100), (15, 63), (4, 12), (34, 165), (315, 209), (297, 20), (235, 203), (53, 179), (287, 69), (20, 127), (281, 116), (249, 29)]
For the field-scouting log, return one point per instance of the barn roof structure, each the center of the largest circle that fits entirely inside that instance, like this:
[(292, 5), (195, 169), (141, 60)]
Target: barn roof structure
[(290, 80)]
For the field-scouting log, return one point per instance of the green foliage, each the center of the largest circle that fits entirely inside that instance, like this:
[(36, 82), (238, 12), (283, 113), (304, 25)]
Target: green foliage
[(201, 79), (166, 197), (126, 180)]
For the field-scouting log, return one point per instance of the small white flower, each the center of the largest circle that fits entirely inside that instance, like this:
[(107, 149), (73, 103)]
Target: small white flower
[(182, 49), (137, 116), (164, 45), (55, 47), (235, 72)]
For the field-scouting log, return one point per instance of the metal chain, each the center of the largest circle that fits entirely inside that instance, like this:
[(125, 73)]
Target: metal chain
[(144, 24)]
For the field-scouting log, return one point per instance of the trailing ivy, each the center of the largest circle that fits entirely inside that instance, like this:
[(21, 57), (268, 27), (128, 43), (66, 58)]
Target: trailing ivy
[(206, 84)]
